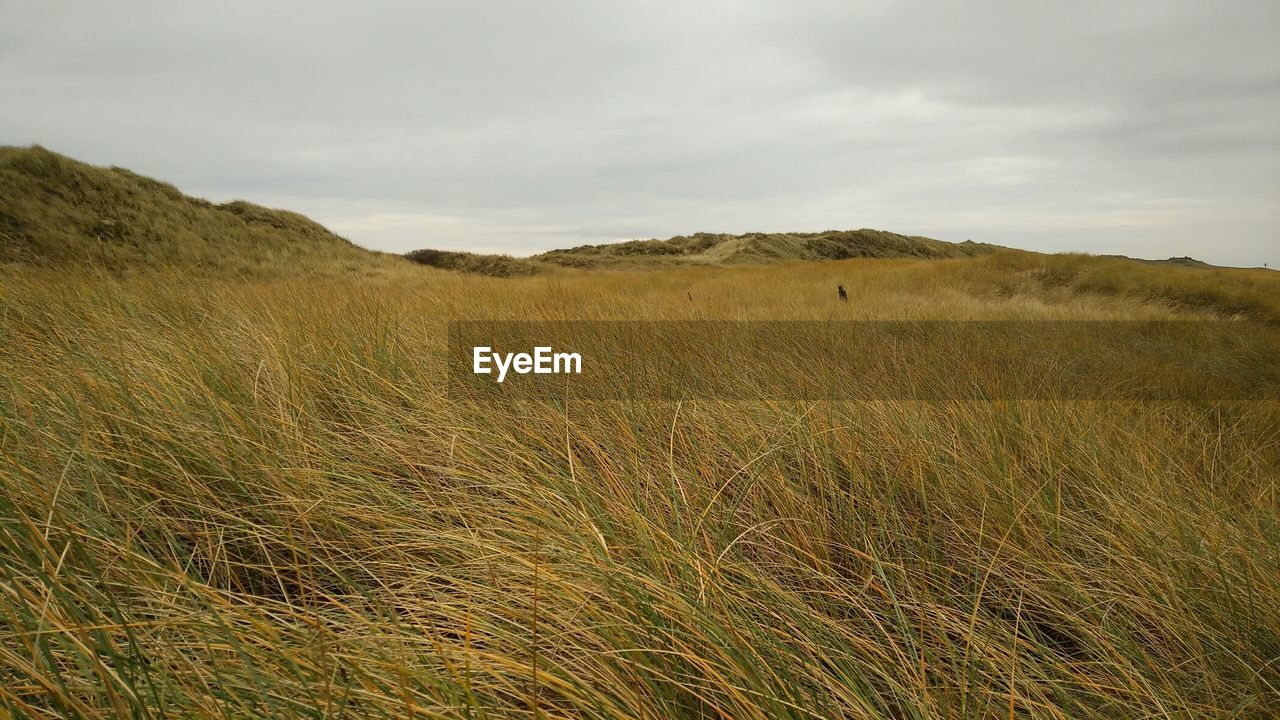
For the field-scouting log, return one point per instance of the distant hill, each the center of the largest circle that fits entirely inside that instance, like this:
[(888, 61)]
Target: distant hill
[(758, 248), (55, 211), (59, 212), (1187, 262), (495, 265), (712, 249)]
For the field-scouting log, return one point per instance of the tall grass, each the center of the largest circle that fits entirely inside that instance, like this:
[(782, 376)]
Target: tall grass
[(257, 498)]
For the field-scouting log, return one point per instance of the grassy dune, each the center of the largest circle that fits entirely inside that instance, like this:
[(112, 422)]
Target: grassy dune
[(758, 248), (709, 249), (58, 212), (247, 498)]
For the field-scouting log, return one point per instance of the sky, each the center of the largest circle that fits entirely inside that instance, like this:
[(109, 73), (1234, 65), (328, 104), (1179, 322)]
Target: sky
[(1148, 128)]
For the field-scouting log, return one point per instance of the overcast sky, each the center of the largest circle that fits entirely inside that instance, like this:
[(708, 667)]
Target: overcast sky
[(1149, 128)]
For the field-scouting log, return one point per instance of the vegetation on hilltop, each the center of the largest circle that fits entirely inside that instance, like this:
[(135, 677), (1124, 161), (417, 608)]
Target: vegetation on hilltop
[(493, 265), (703, 249), (55, 211), (1183, 261), (757, 248)]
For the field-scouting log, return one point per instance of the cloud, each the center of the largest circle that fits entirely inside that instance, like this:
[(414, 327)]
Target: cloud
[(1144, 127)]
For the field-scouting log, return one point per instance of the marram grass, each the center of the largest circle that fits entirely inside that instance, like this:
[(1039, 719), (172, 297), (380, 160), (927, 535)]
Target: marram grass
[(245, 499)]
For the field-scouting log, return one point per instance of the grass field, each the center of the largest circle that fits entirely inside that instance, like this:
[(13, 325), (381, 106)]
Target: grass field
[(255, 497)]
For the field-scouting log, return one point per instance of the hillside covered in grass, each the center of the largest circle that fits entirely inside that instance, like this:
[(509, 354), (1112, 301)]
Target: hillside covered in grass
[(55, 211), (477, 263), (710, 249), (761, 248)]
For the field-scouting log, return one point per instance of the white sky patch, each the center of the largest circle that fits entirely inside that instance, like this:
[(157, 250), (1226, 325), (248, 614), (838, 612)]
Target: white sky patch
[(1008, 169), (404, 231)]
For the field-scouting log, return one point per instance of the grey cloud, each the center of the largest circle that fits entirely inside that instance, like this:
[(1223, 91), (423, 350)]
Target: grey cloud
[(1139, 127)]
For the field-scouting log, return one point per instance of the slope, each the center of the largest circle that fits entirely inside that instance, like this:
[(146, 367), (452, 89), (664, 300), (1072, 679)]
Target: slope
[(760, 248), (55, 211)]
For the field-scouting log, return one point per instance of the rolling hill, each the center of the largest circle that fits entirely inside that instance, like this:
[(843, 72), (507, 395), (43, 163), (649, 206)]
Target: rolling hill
[(59, 213), (759, 248), (56, 211), (711, 249)]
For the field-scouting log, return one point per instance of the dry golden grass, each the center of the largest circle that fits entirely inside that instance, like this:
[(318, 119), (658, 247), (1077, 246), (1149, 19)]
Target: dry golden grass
[(230, 498)]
